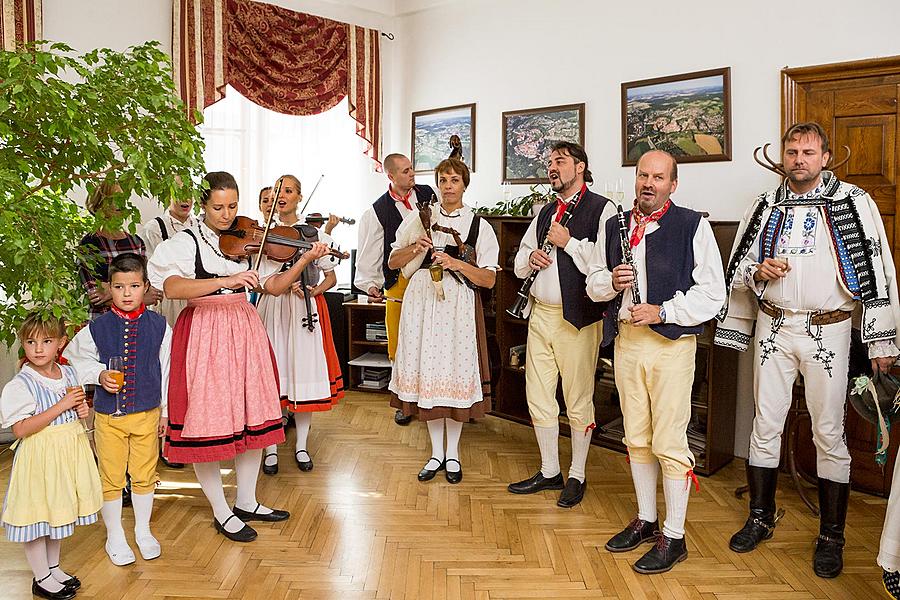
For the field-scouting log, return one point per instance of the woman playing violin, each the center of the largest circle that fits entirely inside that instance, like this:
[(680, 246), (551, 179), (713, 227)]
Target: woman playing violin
[(441, 372), (223, 385), (309, 372)]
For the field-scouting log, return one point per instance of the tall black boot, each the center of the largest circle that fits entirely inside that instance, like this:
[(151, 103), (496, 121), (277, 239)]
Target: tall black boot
[(828, 560), (761, 523)]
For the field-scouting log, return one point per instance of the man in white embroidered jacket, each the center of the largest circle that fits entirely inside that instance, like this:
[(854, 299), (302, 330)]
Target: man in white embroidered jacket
[(808, 256)]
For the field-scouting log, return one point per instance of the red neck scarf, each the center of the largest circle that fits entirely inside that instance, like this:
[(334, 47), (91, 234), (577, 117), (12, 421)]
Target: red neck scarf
[(402, 199), (641, 221), (131, 316), (561, 204)]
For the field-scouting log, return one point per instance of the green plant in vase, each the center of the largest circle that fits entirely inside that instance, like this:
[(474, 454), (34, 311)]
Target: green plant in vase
[(521, 206)]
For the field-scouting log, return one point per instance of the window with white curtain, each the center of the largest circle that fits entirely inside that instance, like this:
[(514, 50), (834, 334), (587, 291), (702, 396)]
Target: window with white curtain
[(257, 146)]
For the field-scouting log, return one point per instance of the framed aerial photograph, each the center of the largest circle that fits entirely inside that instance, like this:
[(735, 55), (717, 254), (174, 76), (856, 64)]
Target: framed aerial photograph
[(529, 134), (433, 132), (687, 115)]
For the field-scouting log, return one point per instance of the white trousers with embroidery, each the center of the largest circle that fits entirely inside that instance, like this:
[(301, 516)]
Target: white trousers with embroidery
[(784, 347)]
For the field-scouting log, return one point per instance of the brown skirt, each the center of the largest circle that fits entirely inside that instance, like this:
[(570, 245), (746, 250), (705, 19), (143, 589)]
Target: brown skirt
[(463, 415)]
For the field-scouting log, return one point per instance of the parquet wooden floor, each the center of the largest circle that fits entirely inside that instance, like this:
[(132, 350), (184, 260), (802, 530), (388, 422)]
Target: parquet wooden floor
[(362, 526)]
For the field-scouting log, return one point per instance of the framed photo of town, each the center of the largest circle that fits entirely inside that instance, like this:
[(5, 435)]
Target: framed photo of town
[(687, 115), (436, 132), (529, 134)]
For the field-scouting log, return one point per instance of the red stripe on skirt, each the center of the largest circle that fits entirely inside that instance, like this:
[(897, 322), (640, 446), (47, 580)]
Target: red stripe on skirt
[(335, 377)]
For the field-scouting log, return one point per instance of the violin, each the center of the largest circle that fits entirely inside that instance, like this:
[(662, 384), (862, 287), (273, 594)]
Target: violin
[(318, 218), (282, 243)]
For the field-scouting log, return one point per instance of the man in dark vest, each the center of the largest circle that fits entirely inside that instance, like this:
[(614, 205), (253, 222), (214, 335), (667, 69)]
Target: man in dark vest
[(377, 231), (564, 326), (681, 286)]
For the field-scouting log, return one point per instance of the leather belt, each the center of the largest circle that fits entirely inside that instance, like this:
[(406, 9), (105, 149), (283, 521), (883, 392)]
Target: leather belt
[(817, 318)]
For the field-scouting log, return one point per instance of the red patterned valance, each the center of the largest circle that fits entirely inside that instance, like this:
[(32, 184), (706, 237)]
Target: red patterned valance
[(283, 60), (20, 22)]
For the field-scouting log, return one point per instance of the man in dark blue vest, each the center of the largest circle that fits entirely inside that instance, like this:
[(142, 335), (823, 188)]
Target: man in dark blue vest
[(377, 231), (679, 275), (564, 326)]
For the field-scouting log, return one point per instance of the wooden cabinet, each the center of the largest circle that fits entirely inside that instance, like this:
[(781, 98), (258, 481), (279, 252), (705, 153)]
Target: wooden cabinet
[(358, 316), (711, 430)]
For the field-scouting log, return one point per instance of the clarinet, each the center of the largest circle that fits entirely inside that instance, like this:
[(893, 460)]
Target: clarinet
[(517, 310), (627, 257)]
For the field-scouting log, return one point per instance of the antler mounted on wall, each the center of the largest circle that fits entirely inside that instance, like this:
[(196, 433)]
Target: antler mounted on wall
[(778, 168)]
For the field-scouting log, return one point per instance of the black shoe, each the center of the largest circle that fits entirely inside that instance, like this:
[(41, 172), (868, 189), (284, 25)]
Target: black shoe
[(635, 533), (453, 476), (665, 554), (401, 419), (72, 582), (828, 559), (303, 465), (572, 493), (761, 523), (891, 581), (270, 469), (64, 594), (246, 515), (126, 492), (171, 465), (247, 534), (427, 474), (536, 483)]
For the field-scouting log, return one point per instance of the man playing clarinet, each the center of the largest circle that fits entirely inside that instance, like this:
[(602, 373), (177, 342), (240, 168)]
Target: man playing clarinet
[(564, 325)]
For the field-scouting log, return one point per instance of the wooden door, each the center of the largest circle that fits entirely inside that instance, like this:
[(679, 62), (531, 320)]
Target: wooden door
[(858, 104)]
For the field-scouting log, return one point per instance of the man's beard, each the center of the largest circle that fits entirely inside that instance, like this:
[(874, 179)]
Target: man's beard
[(559, 185), (796, 177)]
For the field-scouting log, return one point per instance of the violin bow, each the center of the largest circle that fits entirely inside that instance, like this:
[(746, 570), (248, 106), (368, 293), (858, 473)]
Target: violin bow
[(271, 216), (312, 193)]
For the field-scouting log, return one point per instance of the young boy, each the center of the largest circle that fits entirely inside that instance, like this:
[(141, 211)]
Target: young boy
[(127, 442)]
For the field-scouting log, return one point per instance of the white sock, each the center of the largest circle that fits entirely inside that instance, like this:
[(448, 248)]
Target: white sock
[(53, 548), (436, 431), (645, 476), (454, 431), (246, 468), (112, 519), (271, 456), (677, 493), (210, 479), (303, 420), (36, 555), (548, 442), (143, 510), (581, 443)]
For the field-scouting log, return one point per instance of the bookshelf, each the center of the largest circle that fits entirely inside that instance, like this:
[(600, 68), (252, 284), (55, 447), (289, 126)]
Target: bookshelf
[(359, 315)]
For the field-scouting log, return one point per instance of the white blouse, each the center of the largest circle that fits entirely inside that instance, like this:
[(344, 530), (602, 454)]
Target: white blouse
[(17, 403), (151, 233)]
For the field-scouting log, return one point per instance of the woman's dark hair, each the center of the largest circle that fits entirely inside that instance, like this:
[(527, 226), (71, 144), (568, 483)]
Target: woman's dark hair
[(128, 262), (217, 180), (263, 191), (577, 153)]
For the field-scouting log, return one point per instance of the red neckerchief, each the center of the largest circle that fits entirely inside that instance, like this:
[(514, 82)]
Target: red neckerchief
[(561, 205), (641, 221), (398, 198), (131, 316)]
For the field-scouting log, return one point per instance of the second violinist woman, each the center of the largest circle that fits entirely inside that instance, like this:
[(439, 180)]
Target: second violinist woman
[(223, 383), (298, 324)]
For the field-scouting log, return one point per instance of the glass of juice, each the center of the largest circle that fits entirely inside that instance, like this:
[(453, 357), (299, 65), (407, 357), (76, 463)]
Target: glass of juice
[(117, 367)]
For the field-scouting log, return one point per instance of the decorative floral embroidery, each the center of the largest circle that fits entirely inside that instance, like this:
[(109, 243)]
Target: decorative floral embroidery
[(822, 354), (768, 345)]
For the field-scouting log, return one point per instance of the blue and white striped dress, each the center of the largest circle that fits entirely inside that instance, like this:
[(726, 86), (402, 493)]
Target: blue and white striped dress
[(45, 397)]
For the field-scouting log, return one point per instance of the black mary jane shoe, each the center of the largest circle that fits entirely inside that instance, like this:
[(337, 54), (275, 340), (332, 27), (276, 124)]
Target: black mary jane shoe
[(665, 554), (303, 465), (72, 582), (536, 483), (246, 534), (401, 419), (168, 463), (270, 469), (635, 533), (427, 474), (64, 594), (453, 476), (272, 517), (572, 493)]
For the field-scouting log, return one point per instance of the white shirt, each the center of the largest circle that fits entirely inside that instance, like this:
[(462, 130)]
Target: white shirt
[(16, 401), (83, 355), (698, 305), (487, 248), (546, 287), (370, 252), (152, 235)]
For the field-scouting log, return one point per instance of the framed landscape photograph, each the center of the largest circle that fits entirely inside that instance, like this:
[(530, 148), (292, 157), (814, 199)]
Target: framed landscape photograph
[(432, 131), (687, 115), (529, 134)]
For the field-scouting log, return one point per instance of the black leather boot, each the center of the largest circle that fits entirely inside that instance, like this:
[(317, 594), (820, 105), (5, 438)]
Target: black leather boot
[(828, 560), (761, 523)]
